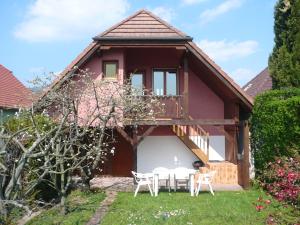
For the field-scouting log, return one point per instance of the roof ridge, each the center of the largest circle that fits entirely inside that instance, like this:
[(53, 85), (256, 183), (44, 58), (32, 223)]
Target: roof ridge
[(120, 23), (13, 93), (11, 75), (5, 68), (150, 14), (166, 23)]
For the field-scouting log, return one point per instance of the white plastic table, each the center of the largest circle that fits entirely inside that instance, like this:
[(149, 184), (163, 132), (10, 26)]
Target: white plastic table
[(192, 183), (191, 178), (155, 184)]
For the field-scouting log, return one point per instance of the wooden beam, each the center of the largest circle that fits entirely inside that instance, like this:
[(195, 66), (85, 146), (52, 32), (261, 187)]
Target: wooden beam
[(168, 122), (145, 134), (177, 47), (246, 163), (139, 139), (185, 86), (125, 135), (105, 47), (134, 147), (180, 48)]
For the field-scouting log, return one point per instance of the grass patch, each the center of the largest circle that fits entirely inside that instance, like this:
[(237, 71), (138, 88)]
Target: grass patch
[(82, 206), (180, 208)]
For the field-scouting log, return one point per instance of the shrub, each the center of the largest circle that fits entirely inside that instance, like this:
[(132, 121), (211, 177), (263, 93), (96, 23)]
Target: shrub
[(44, 190), (275, 126), (281, 179)]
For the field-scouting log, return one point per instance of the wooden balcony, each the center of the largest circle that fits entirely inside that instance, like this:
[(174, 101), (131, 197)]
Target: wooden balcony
[(169, 108), (172, 107)]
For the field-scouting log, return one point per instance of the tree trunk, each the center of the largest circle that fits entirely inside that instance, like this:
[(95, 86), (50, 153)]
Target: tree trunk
[(63, 208), (3, 210), (63, 192)]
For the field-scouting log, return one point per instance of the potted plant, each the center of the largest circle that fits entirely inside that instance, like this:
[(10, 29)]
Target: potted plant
[(197, 164)]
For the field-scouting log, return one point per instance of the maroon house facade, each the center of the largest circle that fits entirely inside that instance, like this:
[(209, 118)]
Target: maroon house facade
[(206, 112)]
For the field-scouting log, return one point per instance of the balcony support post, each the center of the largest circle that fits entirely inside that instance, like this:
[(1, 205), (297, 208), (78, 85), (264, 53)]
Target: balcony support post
[(185, 87), (134, 147)]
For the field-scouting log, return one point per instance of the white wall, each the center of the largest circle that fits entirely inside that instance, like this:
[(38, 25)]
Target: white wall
[(217, 148), (166, 151), (171, 152)]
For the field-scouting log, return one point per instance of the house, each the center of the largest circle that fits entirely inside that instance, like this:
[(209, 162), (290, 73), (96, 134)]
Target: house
[(259, 84), (211, 123), (13, 94)]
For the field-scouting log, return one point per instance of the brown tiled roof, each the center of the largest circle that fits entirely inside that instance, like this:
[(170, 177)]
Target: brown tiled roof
[(143, 24), (262, 82), (13, 94)]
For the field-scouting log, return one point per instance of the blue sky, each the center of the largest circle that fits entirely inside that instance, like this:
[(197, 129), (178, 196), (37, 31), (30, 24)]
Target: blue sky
[(41, 36)]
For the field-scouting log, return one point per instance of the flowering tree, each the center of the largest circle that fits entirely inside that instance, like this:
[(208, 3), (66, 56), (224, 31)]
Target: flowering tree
[(84, 112)]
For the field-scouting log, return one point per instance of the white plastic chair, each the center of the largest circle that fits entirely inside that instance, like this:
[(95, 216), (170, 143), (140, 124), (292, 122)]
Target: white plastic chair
[(181, 176), (163, 174), (205, 178), (141, 179)]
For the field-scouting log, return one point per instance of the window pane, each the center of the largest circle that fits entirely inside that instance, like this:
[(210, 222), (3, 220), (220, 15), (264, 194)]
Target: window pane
[(137, 83), (158, 83), (171, 83), (111, 70)]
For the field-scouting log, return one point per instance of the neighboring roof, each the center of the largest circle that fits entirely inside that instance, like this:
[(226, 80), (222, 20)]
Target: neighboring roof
[(142, 25), (13, 94), (262, 82)]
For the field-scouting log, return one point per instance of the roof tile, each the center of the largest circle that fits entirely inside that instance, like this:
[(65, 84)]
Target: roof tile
[(262, 82), (143, 24), (13, 94)]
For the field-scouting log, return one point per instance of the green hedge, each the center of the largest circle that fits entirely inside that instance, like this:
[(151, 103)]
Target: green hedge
[(275, 126)]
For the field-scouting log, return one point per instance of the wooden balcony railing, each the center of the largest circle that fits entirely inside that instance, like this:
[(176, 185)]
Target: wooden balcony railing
[(171, 107)]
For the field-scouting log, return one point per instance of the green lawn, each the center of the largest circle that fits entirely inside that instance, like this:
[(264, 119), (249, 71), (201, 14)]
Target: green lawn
[(82, 206), (180, 208)]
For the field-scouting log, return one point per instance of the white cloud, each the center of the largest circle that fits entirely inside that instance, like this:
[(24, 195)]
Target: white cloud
[(226, 6), (48, 20), (192, 2), (242, 75), (228, 50), (166, 14)]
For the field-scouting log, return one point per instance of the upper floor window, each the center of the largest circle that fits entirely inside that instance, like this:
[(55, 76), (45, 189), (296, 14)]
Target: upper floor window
[(110, 69), (137, 82), (164, 82)]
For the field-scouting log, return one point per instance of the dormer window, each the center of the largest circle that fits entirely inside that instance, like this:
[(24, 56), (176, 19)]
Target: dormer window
[(110, 69)]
